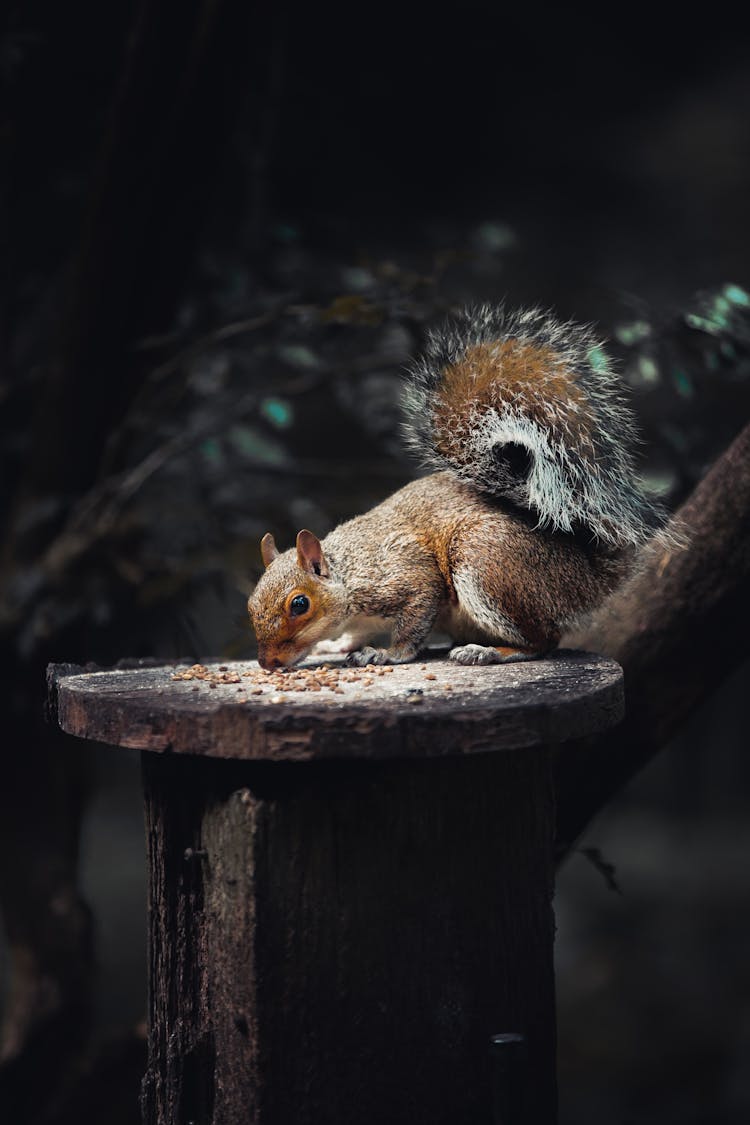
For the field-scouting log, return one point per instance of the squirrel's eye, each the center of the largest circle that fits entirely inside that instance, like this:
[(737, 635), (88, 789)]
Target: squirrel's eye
[(299, 604)]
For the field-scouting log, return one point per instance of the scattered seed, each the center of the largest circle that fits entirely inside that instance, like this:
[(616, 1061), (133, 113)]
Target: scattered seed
[(326, 678)]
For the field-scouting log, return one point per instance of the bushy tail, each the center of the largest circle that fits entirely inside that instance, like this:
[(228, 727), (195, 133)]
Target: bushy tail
[(527, 407)]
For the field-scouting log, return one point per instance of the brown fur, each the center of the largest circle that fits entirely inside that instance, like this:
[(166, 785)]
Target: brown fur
[(402, 561), (504, 373)]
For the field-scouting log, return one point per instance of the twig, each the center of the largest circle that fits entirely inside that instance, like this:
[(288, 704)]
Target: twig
[(226, 332), (96, 514), (607, 870)]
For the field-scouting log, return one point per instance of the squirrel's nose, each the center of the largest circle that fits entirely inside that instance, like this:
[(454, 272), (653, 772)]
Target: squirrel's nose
[(270, 663)]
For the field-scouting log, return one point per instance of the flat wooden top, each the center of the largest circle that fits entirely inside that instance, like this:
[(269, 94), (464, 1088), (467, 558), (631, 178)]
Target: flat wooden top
[(430, 708)]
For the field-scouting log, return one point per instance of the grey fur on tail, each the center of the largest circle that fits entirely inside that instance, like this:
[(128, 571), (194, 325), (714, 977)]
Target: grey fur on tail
[(567, 458)]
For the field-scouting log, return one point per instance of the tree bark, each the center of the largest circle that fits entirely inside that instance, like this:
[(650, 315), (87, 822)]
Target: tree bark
[(329, 944), (349, 888), (166, 129), (678, 627), (180, 84)]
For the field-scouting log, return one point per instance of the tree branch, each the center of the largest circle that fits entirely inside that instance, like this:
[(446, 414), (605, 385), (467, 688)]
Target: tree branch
[(678, 627)]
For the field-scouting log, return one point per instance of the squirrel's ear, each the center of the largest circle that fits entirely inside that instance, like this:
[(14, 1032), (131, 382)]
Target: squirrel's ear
[(268, 549), (310, 554)]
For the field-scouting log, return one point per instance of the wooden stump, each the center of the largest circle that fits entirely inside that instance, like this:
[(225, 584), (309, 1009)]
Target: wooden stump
[(349, 893)]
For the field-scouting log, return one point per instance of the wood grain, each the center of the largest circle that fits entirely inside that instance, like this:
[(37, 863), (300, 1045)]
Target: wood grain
[(350, 890), (489, 708), (337, 942)]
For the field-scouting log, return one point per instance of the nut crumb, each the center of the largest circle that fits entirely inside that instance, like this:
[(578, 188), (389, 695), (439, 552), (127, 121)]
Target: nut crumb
[(330, 679)]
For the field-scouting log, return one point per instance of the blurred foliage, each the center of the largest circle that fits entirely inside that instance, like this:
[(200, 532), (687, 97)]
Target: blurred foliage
[(690, 374), (270, 420), (274, 404), (270, 398)]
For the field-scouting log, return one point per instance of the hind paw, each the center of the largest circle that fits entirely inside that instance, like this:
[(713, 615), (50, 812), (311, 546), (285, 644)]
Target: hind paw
[(491, 654)]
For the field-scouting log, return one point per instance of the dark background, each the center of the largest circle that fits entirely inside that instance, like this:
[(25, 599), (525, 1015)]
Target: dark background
[(223, 230)]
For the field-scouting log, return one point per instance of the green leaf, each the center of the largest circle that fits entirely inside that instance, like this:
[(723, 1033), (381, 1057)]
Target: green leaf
[(278, 412)]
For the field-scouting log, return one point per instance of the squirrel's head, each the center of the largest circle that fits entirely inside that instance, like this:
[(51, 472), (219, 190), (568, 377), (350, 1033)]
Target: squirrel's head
[(296, 603)]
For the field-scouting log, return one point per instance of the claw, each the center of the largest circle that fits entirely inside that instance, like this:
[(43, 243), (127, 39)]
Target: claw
[(364, 656), (491, 654)]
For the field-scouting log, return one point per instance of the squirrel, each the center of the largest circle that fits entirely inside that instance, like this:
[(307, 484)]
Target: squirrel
[(532, 515)]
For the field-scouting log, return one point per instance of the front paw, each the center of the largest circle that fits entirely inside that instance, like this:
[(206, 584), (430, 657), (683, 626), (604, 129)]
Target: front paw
[(367, 655), (345, 643), (364, 656)]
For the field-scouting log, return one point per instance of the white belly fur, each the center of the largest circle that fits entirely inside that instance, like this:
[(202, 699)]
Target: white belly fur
[(353, 634), (475, 618)]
